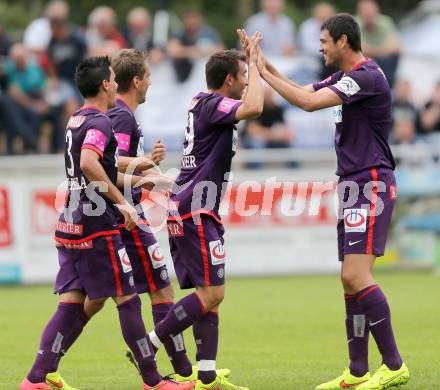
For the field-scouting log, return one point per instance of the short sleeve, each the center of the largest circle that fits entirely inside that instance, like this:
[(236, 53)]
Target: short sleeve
[(330, 80), (123, 127), (354, 86), (98, 135), (221, 111)]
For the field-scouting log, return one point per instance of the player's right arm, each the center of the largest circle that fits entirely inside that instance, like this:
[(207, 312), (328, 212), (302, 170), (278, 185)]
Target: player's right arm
[(94, 171), (253, 101)]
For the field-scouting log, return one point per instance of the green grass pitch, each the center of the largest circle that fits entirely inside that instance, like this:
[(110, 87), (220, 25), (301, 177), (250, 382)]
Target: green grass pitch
[(275, 333)]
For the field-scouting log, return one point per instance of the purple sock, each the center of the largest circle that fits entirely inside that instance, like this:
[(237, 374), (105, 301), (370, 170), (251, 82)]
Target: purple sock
[(136, 337), (52, 340), (357, 336), (175, 346), (75, 332), (375, 306), (205, 332), (180, 316)]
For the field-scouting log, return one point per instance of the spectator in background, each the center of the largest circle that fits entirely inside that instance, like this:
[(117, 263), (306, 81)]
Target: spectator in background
[(270, 129), (5, 42), (430, 114), (26, 82), (405, 114), (309, 34), (138, 34), (67, 48), (102, 35), (278, 30), (38, 33), (380, 39), (196, 40)]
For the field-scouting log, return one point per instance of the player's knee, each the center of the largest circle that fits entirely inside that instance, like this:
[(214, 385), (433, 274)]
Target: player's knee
[(212, 296), (165, 294), (349, 279), (93, 306)]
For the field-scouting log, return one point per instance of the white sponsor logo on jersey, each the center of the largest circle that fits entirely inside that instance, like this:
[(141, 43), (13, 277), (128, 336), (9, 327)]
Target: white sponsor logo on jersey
[(140, 148), (125, 261), (347, 86), (337, 113)]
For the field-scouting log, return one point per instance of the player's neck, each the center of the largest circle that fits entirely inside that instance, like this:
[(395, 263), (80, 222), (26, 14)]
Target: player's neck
[(351, 61), (221, 91), (97, 102), (129, 100)]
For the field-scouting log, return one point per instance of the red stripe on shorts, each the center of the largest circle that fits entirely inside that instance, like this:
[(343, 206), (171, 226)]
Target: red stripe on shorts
[(111, 250), (204, 252), (372, 212), (144, 258)]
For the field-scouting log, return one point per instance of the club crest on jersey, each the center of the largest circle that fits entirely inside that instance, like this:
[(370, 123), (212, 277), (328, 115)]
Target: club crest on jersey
[(355, 220), (76, 121), (347, 86), (125, 261), (217, 251), (156, 256)]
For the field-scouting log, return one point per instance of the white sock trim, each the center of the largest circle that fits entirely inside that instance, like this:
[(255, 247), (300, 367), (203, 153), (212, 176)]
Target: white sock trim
[(206, 365), (155, 340)]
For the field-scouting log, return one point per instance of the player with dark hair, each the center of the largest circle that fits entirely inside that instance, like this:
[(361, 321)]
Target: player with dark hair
[(361, 98), (93, 261), (196, 233)]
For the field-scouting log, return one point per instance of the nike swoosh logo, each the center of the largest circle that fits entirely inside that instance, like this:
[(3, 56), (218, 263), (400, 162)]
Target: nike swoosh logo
[(377, 322), (381, 382), (349, 341), (59, 385), (354, 242), (346, 385)]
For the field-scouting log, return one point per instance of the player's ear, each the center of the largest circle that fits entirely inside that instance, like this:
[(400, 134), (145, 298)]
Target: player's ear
[(105, 85), (136, 81), (229, 79), (342, 41)]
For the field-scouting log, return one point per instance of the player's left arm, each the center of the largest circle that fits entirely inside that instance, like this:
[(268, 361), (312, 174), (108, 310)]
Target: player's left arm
[(300, 97), (157, 182)]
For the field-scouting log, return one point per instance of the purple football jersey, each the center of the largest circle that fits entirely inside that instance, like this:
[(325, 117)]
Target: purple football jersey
[(210, 143), (129, 136), (88, 213), (363, 121)]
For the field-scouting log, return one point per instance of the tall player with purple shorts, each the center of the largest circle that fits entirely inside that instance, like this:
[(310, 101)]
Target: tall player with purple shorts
[(194, 225), (93, 261), (361, 99)]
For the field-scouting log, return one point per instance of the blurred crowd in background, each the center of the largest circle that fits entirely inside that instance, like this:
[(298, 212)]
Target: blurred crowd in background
[(38, 92)]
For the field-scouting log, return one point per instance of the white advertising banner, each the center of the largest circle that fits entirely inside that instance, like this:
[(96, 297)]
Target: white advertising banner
[(274, 224)]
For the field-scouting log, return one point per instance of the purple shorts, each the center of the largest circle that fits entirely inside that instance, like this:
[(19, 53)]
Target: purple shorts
[(99, 267), (365, 216), (149, 268), (197, 251)]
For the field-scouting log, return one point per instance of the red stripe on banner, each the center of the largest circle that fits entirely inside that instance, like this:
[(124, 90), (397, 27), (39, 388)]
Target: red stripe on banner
[(144, 258), (372, 212), (365, 293), (204, 252), (116, 271)]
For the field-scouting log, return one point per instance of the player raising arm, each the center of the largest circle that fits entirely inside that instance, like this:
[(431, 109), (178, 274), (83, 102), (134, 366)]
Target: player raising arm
[(196, 233), (361, 97)]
